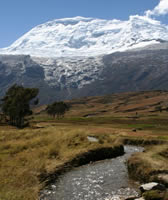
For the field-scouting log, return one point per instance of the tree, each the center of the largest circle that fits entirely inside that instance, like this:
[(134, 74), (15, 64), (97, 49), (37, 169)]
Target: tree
[(158, 108), (15, 104), (57, 109)]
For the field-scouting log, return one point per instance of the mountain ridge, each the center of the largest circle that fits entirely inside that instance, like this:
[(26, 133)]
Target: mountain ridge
[(65, 78), (97, 57), (79, 36)]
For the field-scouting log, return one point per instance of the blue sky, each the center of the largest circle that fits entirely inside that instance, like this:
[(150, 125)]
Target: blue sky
[(19, 16)]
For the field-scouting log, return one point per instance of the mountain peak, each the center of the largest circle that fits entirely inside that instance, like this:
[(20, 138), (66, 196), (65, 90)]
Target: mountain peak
[(67, 21), (80, 36), (144, 19)]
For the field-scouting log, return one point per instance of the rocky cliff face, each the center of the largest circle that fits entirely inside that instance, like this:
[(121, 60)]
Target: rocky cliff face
[(64, 78)]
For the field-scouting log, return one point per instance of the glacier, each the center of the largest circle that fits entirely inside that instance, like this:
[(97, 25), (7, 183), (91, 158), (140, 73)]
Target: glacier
[(69, 55), (70, 72), (85, 37)]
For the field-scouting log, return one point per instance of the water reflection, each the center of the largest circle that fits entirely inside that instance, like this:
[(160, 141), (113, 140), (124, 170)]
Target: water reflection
[(103, 180)]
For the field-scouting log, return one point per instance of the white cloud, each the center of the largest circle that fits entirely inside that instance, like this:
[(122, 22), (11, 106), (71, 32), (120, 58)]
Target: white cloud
[(160, 9)]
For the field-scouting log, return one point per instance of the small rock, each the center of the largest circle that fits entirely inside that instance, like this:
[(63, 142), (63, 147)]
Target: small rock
[(141, 198), (53, 186), (38, 126), (92, 139), (152, 186), (115, 198)]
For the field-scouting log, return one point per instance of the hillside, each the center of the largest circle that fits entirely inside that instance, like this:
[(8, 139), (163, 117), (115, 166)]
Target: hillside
[(146, 109), (123, 103), (64, 78)]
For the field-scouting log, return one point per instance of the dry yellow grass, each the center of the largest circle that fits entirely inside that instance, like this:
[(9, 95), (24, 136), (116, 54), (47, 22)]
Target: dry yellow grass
[(26, 154), (47, 144), (154, 156), (148, 165)]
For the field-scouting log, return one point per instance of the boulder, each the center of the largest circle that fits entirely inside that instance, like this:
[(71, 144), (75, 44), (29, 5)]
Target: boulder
[(152, 186)]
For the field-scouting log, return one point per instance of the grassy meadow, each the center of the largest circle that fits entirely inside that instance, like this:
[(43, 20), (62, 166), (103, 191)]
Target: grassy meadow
[(27, 155)]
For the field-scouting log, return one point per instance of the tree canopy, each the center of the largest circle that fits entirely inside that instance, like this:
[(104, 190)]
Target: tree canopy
[(57, 109), (16, 103)]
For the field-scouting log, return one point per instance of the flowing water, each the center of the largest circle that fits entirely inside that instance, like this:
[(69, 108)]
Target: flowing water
[(103, 180)]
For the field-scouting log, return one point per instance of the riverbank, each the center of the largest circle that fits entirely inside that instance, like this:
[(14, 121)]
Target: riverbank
[(151, 165), (139, 170), (97, 180), (97, 154), (29, 157), (32, 157)]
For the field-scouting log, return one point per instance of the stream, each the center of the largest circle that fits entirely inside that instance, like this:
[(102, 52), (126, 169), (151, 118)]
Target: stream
[(102, 180)]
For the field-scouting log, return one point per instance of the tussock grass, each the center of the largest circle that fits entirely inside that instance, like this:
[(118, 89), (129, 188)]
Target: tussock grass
[(145, 166), (27, 154)]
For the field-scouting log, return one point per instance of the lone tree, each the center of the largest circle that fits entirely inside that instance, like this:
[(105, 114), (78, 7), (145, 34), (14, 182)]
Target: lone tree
[(57, 109), (15, 104)]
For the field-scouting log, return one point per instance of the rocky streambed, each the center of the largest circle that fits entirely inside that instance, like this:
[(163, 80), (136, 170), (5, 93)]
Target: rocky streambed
[(102, 180)]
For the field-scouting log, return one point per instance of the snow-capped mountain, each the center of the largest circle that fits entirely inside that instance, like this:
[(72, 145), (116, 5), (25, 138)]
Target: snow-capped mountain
[(70, 72), (79, 36), (65, 78), (67, 58)]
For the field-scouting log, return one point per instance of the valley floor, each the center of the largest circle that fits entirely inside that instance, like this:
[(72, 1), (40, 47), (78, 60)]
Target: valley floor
[(28, 156)]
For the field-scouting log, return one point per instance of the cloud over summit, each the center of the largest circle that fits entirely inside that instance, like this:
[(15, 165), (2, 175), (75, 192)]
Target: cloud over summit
[(160, 9)]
